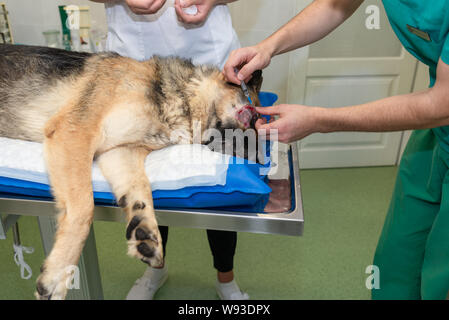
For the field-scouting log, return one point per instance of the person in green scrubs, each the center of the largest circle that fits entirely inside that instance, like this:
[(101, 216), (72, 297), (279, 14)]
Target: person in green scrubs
[(413, 249)]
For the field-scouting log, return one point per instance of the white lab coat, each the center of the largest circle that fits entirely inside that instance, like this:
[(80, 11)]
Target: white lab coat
[(142, 36)]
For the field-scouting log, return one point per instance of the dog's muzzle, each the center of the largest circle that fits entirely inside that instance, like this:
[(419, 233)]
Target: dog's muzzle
[(248, 116)]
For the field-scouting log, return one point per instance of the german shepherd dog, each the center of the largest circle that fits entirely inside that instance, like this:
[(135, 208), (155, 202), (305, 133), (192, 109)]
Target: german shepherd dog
[(115, 110)]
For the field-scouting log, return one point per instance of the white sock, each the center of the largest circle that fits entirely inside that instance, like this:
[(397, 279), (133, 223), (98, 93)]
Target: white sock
[(155, 274), (230, 291), (146, 286)]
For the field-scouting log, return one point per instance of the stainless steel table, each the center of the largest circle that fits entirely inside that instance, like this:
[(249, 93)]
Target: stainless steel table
[(287, 223)]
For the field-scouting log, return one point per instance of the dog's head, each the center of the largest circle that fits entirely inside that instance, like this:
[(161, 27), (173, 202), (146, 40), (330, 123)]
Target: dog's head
[(223, 112), (234, 110), (221, 105)]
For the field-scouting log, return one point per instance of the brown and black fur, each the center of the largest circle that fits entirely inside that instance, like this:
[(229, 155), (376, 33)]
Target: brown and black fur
[(115, 110)]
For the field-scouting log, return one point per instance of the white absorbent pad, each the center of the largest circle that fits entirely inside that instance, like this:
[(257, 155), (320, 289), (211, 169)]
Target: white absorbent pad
[(171, 168)]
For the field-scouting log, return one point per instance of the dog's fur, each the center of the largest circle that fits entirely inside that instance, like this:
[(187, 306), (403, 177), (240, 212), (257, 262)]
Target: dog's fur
[(114, 109)]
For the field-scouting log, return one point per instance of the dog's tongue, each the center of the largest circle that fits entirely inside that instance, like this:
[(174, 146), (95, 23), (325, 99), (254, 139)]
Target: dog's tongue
[(246, 115)]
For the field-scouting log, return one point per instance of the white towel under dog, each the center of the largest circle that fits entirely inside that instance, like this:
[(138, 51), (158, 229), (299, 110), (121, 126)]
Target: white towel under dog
[(171, 168)]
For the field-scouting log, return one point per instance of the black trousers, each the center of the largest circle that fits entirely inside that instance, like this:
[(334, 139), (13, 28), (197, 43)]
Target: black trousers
[(221, 243)]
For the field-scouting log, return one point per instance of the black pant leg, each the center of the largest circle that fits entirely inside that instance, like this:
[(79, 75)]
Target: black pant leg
[(222, 244), (164, 235)]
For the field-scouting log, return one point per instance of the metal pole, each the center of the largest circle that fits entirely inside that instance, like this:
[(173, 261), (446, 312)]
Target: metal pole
[(15, 234)]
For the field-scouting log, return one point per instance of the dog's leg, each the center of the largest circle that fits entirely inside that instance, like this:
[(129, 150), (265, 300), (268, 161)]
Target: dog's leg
[(69, 160), (124, 168)]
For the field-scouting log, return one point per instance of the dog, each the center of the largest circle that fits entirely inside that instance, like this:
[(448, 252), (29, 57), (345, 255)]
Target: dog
[(115, 110)]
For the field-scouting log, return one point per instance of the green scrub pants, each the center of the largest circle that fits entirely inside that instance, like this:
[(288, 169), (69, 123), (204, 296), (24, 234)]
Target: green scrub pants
[(413, 250)]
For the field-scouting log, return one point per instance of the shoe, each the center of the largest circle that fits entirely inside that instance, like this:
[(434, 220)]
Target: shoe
[(146, 287), (230, 291)]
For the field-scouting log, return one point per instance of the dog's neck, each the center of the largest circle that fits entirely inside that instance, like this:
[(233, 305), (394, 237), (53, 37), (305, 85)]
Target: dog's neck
[(203, 93)]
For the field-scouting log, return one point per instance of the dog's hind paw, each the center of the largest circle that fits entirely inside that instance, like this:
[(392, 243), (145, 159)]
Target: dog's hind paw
[(144, 241)]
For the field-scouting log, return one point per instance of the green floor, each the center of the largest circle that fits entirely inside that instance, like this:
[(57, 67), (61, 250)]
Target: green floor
[(344, 213)]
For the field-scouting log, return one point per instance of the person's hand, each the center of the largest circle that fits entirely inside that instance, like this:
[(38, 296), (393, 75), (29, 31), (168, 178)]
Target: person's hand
[(247, 60), (145, 6), (295, 122), (204, 8)]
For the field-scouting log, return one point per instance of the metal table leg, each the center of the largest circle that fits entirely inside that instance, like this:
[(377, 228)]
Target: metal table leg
[(90, 287), (6, 223)]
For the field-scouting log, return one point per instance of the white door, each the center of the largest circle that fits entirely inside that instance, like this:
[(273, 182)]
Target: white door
[(351, 66)]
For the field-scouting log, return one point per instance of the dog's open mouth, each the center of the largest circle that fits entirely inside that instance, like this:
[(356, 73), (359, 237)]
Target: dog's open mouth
[(247, 116)]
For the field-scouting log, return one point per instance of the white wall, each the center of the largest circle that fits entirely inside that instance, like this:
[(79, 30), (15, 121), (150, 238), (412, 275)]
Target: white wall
[(29, 18), (255, 20)]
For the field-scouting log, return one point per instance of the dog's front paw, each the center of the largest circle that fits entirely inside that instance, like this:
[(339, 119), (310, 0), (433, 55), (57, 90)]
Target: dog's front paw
[(51, 288), (144, 241)]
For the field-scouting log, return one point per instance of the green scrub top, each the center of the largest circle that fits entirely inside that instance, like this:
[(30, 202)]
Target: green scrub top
[(423, 26)]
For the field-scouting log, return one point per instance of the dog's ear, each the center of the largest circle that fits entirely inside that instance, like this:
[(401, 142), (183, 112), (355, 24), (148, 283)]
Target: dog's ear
[(256, 81)]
